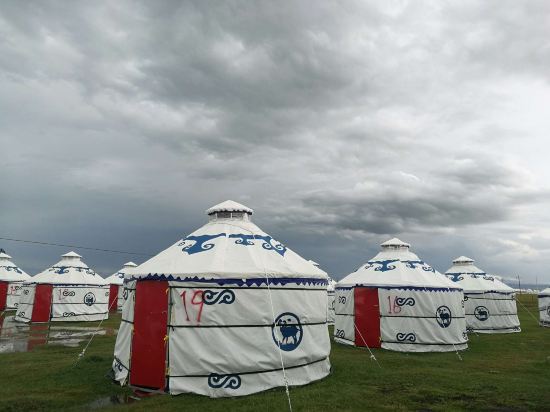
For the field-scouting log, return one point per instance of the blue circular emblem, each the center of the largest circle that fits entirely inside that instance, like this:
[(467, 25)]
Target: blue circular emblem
[(443, 316), (481, 313), (287, 331), (89, 298)]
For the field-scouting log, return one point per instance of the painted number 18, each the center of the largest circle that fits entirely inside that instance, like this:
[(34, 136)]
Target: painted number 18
[(393, 307)]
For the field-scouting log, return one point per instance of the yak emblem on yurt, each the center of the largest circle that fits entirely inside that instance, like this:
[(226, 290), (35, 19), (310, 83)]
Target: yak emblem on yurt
[(287, 331)]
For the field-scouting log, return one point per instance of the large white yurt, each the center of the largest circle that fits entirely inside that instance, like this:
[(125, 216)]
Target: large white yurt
[(544, 307), (240, 308), (11, 280), (115, 281), (67, 291), (490, 304), (397, 301)]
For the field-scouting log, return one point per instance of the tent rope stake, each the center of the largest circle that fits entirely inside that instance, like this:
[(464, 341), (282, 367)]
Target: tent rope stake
[(372, 357)]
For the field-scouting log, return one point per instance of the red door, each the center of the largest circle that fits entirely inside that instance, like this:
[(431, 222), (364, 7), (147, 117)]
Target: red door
[(148, 362), (42, 303), (3, 295), (113, 298), (367, 317)]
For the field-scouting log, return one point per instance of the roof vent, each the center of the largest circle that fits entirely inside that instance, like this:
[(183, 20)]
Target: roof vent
[(463, 260), (395, 244), (229, 210)]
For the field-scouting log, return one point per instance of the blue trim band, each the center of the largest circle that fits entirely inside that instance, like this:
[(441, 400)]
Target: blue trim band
[(419, 288), (233, 281)]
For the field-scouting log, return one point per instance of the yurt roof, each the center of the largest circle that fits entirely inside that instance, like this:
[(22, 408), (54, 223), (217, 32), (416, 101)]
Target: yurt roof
[(117, 278), (228, 248), (545, 292), (472, 279), (70, 270), (9, 272), (396, 266)]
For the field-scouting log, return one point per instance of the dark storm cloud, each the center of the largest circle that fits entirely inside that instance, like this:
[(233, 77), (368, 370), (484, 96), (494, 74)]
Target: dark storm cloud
[(341, 123)]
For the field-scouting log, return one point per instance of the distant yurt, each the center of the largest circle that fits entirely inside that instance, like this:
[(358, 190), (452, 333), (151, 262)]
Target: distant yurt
[(11, 280), (67, 291), (544, 307), (242, 311), (330, 295), (398, 302), (116, 290), (490, 304)]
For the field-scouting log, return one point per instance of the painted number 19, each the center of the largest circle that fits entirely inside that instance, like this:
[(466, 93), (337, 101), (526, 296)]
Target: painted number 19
[(393, 307), (195, 299)]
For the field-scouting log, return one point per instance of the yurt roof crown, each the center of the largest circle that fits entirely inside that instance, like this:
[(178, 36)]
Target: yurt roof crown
[(463, 261), (129, 265), (4, 255), (395, 244), (229, 210)]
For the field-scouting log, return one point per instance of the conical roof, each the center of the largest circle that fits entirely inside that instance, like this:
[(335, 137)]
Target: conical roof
[(70, 270), (473, 279), (117, 278), (545, 292), (228, 248), (395, 265), (9, 272)]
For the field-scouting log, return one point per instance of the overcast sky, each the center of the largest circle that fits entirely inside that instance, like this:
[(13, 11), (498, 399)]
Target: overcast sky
[(341, 123)]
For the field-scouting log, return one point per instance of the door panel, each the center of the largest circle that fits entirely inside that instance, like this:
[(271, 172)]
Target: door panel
[(42, 303), (367, 317)]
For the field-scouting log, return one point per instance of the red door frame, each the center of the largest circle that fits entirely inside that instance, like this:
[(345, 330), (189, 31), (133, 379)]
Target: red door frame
[(42, 303), (367, 317), (148, 359), (3, 294), (113, 298)]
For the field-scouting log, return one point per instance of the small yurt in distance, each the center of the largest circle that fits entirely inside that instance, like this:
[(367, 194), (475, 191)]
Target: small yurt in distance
[(330, 295), (240, 307), (116, 290), (490, 305), (11, 280), (67, 291), (544, 307), (397, 301)]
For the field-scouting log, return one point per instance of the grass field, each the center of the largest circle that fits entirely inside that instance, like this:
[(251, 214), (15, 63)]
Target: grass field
[(497, 373)]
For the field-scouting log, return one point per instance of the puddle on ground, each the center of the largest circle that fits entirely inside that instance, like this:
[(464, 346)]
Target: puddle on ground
[(110, 401), (23, 337)]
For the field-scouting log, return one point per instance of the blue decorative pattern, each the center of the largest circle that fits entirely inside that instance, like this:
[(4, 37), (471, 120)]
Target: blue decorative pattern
[(416, 288), (455, 277), (404, 301), (229, 381), (402, 337), (444, 316), (210, 297), (287, 331), (481, 313), (65, 269), (200, 244), (414, 263), (268, 242), (381, 265), (12, 269)]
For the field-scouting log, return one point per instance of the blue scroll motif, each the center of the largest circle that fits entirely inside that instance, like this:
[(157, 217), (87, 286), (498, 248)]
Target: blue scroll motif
[(384, 265), (200, 244), (210, 297), (11, 269), (455, 277), (229, 381), (65, 269), (402, 337), (413, 263), (59, 269), (268, 242), (404, 301)]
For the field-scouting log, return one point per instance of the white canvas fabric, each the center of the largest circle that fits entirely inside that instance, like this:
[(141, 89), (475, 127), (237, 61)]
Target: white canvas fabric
[(420, 309), (544, 307), (14, 277), (490, 304), (118, 280), (78, 293), (330, 295), (239, 301)]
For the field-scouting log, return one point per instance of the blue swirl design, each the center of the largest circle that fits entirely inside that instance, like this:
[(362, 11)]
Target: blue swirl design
[(455, 277), (210, 297), (402, 337), (200, 244), (383, 265), (492, 279), (405, 301), (268, 242), (339, 333), (11, 269), (59, 269), (412, 264), (243, 239), (229, 381), (65, 269)]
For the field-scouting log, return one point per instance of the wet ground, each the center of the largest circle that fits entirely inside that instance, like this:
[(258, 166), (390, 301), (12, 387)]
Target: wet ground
[(23, 337)]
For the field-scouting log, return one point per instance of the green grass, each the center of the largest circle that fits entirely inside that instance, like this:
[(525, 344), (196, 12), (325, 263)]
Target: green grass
[(498, 373)]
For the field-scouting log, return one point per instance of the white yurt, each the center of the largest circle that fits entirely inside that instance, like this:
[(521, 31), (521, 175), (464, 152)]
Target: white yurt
[(490, 304), (330, 295), (397, 301), (11, 280), (544, 307), (115, 281), (242, 312), (67, 291)]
